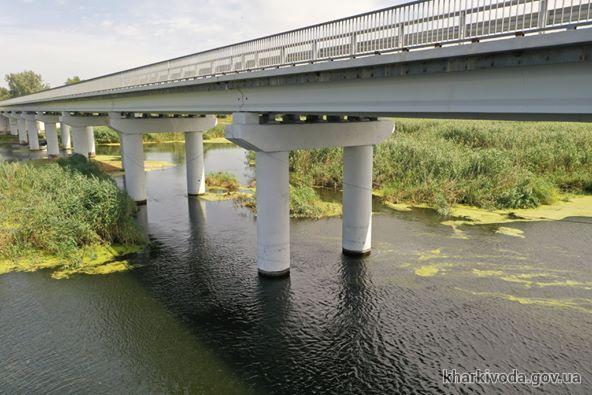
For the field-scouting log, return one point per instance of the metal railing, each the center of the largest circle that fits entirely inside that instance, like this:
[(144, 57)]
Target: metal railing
[(409, 26)]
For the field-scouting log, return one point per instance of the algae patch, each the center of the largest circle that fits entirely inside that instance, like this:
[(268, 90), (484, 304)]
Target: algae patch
[(427, 271), (94, 259), (512, 232), (580, 304)]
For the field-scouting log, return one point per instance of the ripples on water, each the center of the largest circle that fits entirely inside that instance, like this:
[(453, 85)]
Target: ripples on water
[(195, 317)]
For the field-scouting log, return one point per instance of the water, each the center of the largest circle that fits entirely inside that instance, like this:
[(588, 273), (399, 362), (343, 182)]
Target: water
[(196, 318)]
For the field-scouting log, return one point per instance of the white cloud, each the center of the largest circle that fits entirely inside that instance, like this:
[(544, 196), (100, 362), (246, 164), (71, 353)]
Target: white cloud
[(128, 34)]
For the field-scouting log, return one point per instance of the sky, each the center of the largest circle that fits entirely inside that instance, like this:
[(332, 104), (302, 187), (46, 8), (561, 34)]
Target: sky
[(64, 38)]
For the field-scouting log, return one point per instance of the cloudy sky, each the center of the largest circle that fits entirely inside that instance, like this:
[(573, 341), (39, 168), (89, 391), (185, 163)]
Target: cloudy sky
[(62, 38)]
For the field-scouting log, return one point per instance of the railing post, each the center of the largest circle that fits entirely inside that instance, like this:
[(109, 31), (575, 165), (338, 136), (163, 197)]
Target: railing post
[(354, 45), (543, 13), (314, 50), (462, 32), (401, 37)]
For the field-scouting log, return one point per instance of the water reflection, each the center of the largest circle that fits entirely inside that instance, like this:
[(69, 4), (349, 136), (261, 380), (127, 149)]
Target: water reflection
[(195, 316)]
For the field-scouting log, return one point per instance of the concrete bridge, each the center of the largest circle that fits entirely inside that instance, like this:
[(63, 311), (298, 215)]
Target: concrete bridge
[(326, 86)]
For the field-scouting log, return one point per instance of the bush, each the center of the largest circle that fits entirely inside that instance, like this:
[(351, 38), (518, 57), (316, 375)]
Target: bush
[(481, 163), (105, 135), (59, 207), (222, 180)]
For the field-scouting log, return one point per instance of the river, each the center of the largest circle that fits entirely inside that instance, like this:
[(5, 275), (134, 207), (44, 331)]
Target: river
[(194, 316)]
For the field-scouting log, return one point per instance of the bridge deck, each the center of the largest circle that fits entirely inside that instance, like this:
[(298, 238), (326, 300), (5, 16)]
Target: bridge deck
[(372, 38)]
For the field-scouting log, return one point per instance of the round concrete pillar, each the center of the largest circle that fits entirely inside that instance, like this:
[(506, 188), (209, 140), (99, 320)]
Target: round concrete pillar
[(33, 135), (66, 137), (80, 141), (133, 160), (357, 200), (51, 135), (194, 156), (90, 131), (273, 213), (13, 126), (22, 131)]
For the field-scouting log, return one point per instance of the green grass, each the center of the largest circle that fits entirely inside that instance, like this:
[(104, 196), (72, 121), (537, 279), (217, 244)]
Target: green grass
[(58, 208), (222, 180), (8, 139), (480, 163), (106, 135)]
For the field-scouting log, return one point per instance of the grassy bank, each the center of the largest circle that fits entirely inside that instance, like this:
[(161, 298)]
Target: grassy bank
[(67, 215), (493, 165), (304, 200)]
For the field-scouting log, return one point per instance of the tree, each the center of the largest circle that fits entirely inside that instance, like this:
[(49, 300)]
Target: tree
[(4, 94), (73, 80), (25, 83)]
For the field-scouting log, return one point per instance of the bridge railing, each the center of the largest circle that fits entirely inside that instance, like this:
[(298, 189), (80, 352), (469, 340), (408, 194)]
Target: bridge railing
[(409, 26)]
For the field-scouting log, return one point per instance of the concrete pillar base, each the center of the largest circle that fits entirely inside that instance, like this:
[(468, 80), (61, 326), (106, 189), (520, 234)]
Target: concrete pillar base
[(195, 194), (279, 274), (356, 254), (141, 203), (53, 156)]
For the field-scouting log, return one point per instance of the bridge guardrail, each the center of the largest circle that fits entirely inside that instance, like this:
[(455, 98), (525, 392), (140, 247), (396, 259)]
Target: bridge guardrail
[(400, 28)]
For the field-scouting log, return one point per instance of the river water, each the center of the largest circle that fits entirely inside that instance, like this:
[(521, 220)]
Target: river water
[(194, 317)]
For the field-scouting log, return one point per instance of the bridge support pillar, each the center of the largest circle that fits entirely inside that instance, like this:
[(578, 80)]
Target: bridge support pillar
[(81, 142), (272, 142), (22, 131), (92, 150), (32, 132), (66, 136), (136, 126), (51, 134), (357, 200), (13, 123), (273, 213), (194, 156), (4, 127), (133, 161), (82, 131)]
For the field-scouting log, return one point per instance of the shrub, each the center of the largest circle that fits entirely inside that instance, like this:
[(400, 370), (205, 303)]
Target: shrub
[(222, 180), (59, 207)]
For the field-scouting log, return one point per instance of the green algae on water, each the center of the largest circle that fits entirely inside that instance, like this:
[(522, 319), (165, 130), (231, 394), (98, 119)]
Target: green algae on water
[(94, 259)]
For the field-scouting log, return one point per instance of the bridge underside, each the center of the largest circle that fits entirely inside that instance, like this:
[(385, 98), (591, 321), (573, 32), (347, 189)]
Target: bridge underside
[(549, 83)]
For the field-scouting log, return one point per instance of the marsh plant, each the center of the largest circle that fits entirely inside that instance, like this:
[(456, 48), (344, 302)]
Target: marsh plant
[(58, 208), (493, 165)]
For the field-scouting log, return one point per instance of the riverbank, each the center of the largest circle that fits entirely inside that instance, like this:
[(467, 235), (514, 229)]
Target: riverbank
[(305, 202), (106, 136), (113, 163), (485, 164), (67, 215)]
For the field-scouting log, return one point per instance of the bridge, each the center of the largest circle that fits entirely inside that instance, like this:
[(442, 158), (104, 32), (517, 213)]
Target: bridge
[(326, 86)]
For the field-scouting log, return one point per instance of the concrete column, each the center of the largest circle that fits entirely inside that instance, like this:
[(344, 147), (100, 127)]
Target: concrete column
[(357, 200), (51, 134), (81, 142), (22, 131), (273, 213), (13, 125), (66, 137), (135, 176), (90, 131), (33, 134), (4, 124), (194, 156)]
